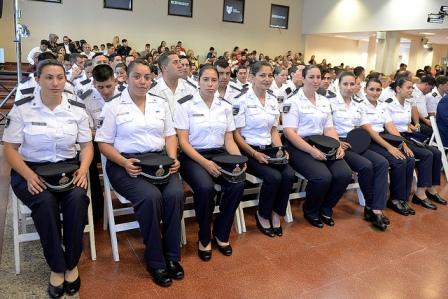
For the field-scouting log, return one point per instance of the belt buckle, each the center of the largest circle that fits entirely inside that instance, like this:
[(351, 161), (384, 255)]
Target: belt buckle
[(262, 147)]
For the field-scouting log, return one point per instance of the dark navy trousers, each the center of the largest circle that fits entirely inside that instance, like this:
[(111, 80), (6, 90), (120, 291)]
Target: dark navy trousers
[(429, 165)]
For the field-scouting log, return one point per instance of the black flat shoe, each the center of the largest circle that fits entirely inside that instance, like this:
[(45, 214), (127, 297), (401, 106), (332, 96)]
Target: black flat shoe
[(375, 219), (72, 288), (314, 221), (405, 204), (385, 219), (278, 231), (424, 203), (205, 255), (175, 270), (397, 206), (436, 198), (265, 231), (327, 220), (56, 292), (160, 276), (225, 250)]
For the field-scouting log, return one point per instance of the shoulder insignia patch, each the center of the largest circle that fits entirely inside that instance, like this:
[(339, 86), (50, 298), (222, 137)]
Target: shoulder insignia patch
[(27, 90), (357, 100), (330, 94), (85, 94), (24, 101), (235, 110), (293, 93), (434, 94), (121, 87), (286, 107), (77, 104), (185, 99), (114, 97), (288, 90), (389, 100), (26, 79), (84, 82)]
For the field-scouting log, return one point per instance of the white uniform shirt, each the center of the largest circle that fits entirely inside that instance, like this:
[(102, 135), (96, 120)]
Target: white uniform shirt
[(432, 100), (387, 93), (345, 117), (256, 120), (82, 86), (309, 119), (231, 92), (130, 130), (400, 114), (47, 135), (206, 126), (90, 55), (377, 116), (162, 90), (419, 101), (25, 87), (94, 105), (33, 52)]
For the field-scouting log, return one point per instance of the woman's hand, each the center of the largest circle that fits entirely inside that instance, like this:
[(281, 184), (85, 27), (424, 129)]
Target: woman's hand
[(175, 167), (340, 153), (318, 155), (35, 184), (287, 155), (80, 178), (213, 168), (345, 145), (407, 151), (260, 157), (396, 153), (132, 169)]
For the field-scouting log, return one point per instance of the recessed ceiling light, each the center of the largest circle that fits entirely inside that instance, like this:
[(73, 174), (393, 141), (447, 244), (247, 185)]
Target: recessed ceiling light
[(340, 36), (427, 33)]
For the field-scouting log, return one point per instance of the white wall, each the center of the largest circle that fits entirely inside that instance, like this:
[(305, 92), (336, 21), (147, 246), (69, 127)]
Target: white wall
[(149, 22), (335, 16)]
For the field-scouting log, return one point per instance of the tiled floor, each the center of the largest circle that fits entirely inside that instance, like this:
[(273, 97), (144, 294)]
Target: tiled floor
[(350, 260)]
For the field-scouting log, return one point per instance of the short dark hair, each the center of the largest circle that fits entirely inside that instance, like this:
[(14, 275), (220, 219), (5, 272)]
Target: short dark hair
[(308, 68), (44, 42), (122, 65), (206, 67), (345, 74), (102, 72), (47, 62), (440, 80), (124, 40), (135, 62), (163, 58), (428, 80), (222, 63), (45, 55), (255, 68), (357, 71), (74, 57), (277, 70)]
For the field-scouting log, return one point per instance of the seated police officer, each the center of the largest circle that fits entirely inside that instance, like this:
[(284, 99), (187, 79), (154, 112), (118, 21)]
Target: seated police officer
[(371, 167), (256, 119), (133, 124), (307, 114), (39, 143), (204, 124), (375, 120)]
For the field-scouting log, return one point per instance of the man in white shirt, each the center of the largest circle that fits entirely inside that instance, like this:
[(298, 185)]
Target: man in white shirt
[(87, 51), (44, 44)]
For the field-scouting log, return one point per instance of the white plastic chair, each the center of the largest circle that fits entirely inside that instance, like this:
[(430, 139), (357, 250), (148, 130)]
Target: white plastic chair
[(22, 214), (436, 140)]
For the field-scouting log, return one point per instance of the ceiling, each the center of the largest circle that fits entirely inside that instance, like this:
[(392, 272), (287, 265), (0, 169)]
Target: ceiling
[(435, 36)]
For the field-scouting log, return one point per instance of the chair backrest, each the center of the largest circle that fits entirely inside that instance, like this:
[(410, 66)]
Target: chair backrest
[(438, 142), (107, 186)]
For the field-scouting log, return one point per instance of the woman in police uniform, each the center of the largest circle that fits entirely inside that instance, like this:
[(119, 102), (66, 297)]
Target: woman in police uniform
[(429, 161), (204, 124), (135, 122), (375, 119), (371, 167), (43, 129), (307, 113), (256, 119)]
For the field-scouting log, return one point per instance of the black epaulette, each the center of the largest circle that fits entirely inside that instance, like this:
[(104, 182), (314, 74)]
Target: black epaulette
[(191, 83), (224, 100), (154, 83), (321, 91), (434, 94), (357, 100), (85, 94), (293, 93), (270, 92), (288, 90), (27, 90), (68, 91), (331, 95), (241, 93), (185, 99), (86, 81), (245, 85), (77, 104), (234, 87), (114, 97), (70, 82), (121, 87), (24, 101), (233, 80), (389, 100), (154, 95), (27, 78)]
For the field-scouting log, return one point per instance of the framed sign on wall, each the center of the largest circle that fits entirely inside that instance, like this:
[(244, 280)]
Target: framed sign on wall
[(279, 16), (233, 11), (182, 8), (118, 4)]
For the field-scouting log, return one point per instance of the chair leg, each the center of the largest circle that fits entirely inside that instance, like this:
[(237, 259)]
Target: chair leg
[(91, 225), (15, 224), (288, 216), (183, 232), (105, 216), (361, 200), (239, 220)]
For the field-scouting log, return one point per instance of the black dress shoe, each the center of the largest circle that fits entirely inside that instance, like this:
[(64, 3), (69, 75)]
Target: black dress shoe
[(397, 206), (405, 204), (160, 276), (175, 270), (266, 231), (56, 292), (314, 221), (205, 255), (225, 250), (278, 231), (327, 220), (375, 219), (72, 288), (436, 198), (424, 203), (385, 219)]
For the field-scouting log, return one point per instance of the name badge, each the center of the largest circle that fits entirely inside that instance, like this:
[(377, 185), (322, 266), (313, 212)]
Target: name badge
[(38, 124), (251, 106), (197, 114), (122, 113)]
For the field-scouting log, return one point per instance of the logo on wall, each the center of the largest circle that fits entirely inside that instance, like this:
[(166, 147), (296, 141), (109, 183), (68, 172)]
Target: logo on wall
[(233, 11), (229, 9)]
